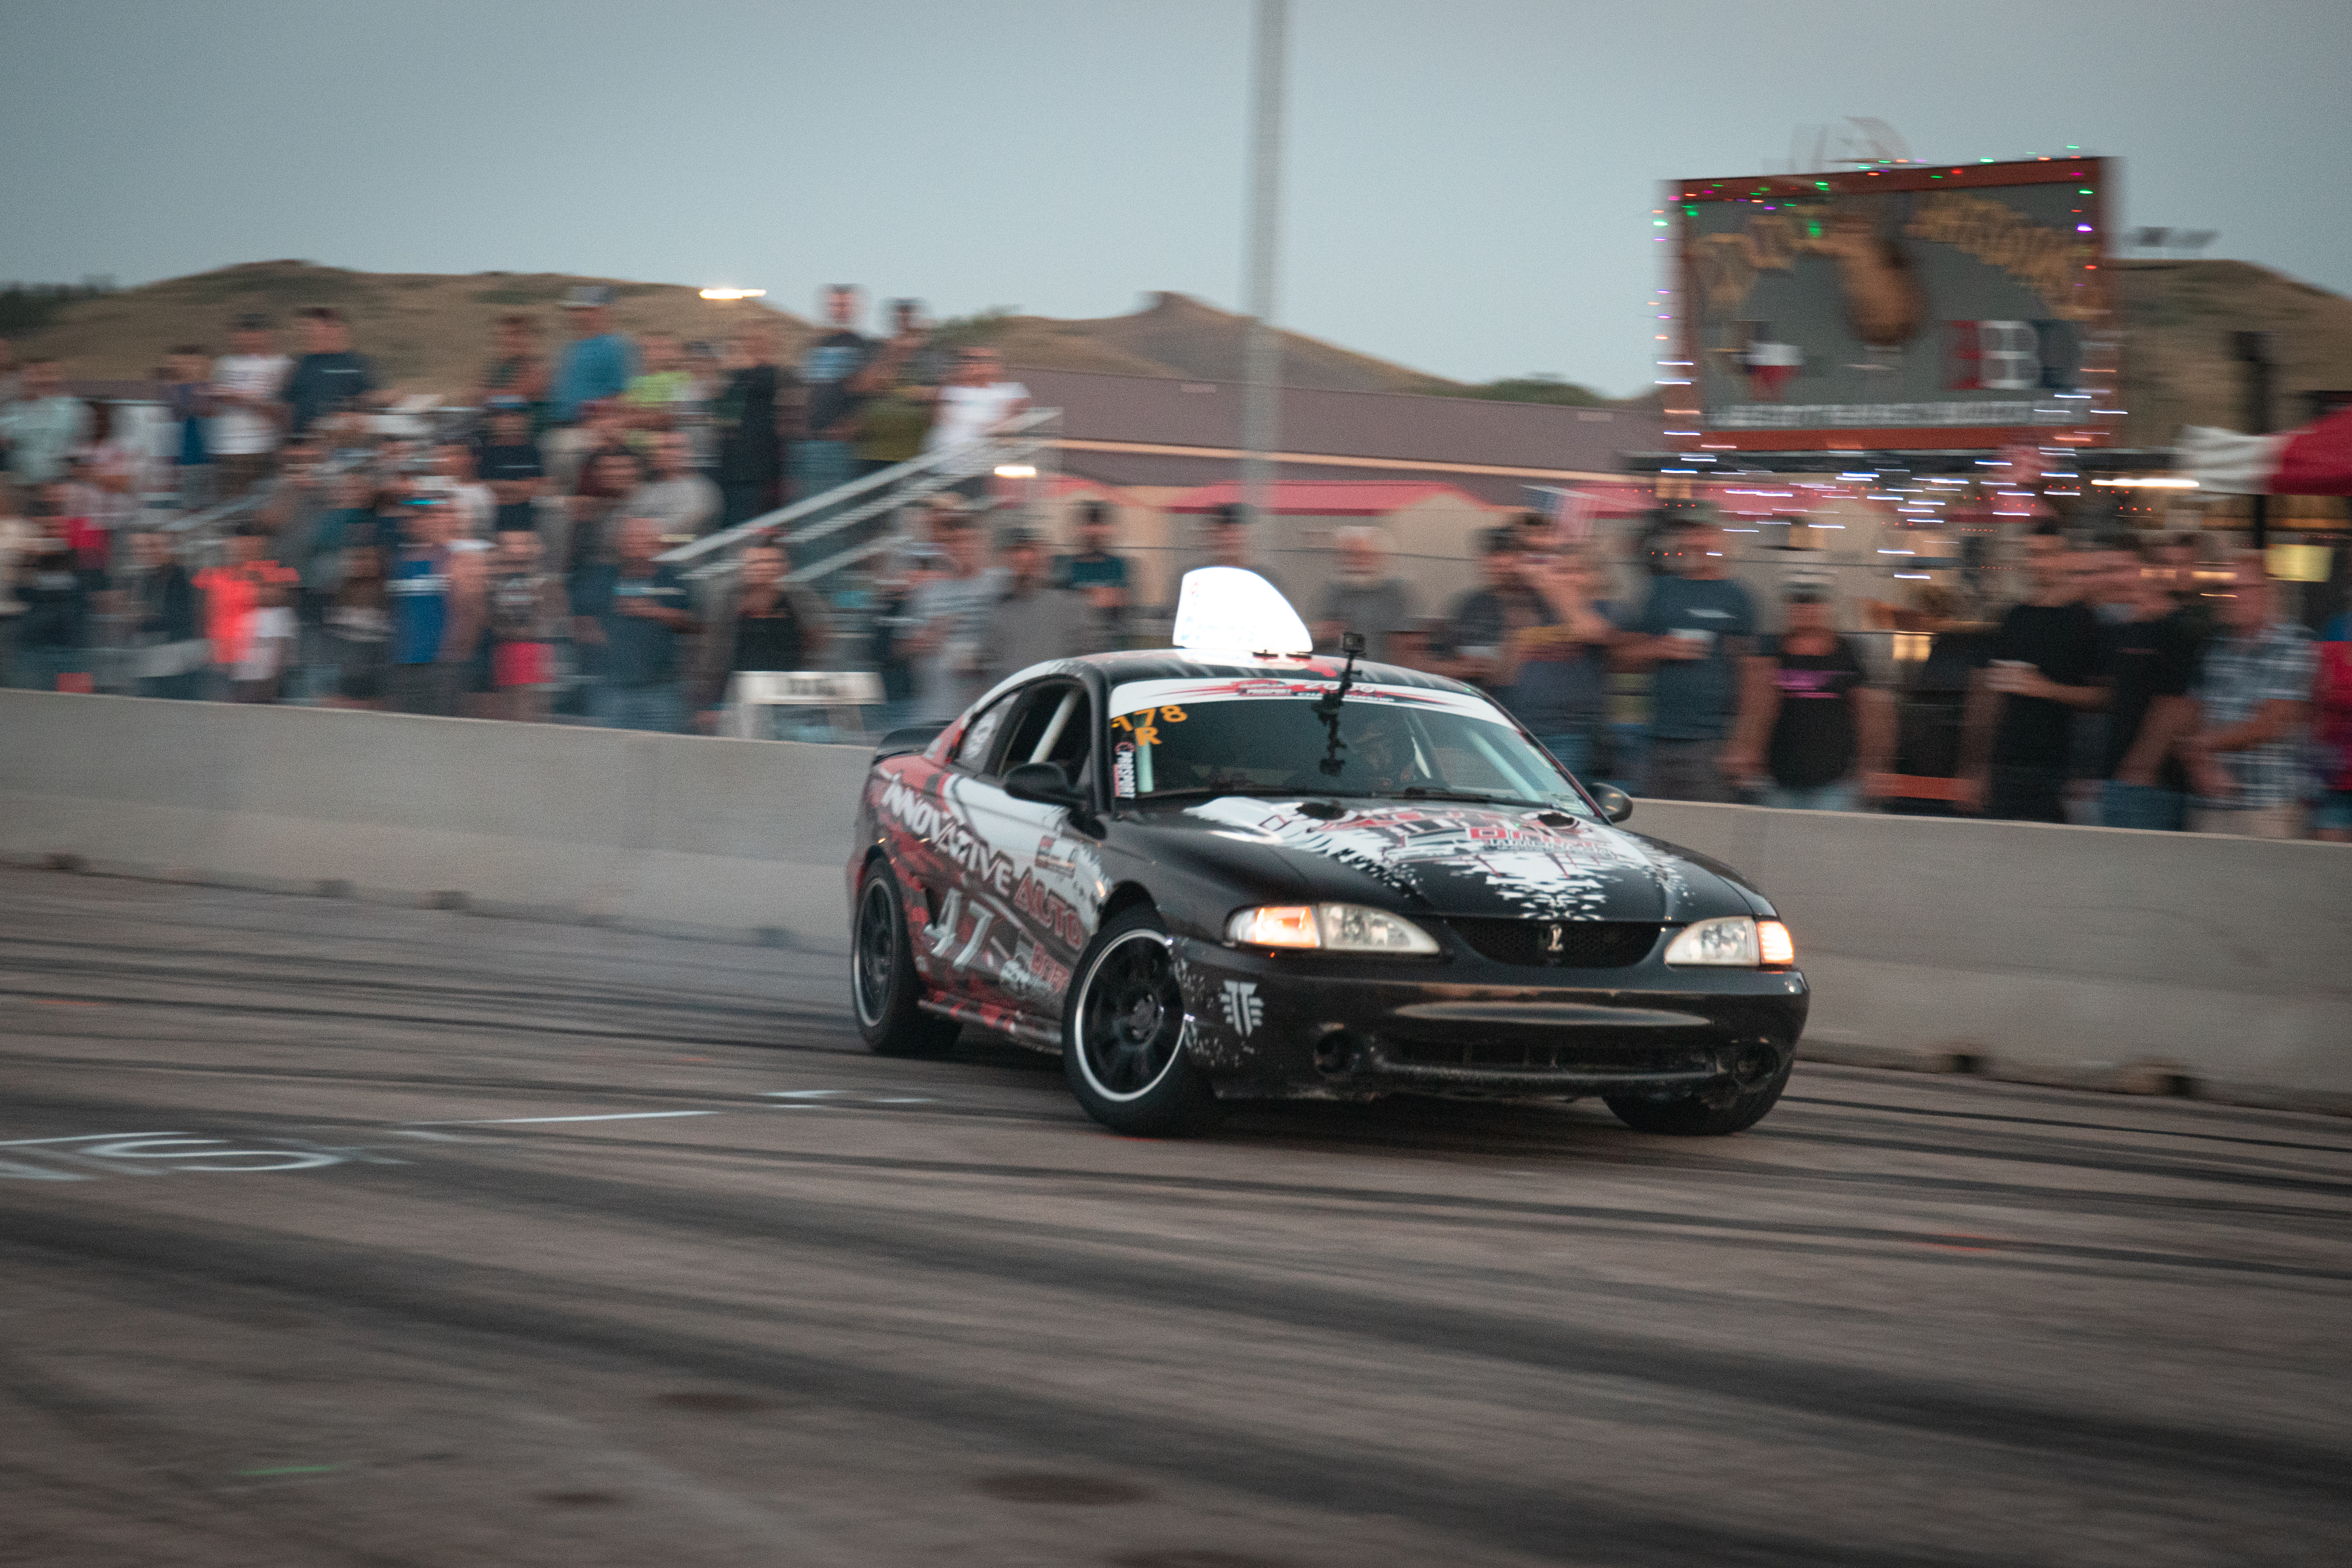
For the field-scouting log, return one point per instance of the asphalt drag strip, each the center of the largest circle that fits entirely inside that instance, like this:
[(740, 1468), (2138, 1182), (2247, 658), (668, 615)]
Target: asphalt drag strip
[(344, 1234)]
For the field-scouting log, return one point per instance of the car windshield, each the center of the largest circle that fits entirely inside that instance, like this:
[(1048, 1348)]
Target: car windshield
[(1203, 739)]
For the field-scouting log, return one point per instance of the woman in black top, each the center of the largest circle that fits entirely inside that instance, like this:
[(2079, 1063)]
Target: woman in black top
[(765, 627), (1812, 731)]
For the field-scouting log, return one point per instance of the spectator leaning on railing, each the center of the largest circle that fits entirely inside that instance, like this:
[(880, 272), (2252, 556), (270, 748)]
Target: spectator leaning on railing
[(2253, 697)]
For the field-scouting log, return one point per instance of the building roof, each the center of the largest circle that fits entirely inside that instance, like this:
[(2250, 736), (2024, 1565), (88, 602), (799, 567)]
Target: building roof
[(1160, 430), (1325, 497)]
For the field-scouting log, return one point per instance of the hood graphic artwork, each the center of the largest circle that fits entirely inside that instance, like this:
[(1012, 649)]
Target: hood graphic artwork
[(1492, 860)]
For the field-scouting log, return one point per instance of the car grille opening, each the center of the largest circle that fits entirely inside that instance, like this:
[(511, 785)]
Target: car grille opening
[(1560, 944), (1553, 1055)]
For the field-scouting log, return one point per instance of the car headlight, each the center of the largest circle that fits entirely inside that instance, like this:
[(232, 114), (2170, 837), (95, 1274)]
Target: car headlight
[(1334, 928), (1733, 941)]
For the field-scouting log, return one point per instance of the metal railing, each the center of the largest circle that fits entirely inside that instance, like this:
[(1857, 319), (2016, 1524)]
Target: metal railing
[(1031, 436)]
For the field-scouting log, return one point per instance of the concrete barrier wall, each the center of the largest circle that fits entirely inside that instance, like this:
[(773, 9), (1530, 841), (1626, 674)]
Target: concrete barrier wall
[(2138, 961), (2081, 956), (743, 839)]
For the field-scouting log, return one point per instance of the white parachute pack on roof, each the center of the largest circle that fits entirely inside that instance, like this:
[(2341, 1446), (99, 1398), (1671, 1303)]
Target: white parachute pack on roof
[(1227, 609)]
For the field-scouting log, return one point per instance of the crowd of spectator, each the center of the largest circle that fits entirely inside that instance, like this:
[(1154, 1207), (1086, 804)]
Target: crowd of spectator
[(508, 572), (2132, 687), (513, 573)]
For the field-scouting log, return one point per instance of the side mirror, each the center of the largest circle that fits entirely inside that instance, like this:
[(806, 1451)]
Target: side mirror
[(1045, 785), (1614, 802)]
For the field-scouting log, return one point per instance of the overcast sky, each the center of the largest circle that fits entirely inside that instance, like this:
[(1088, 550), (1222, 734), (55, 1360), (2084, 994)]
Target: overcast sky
[(1469, 181)]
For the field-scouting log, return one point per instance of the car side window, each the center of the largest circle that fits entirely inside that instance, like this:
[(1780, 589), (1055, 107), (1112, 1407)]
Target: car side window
[(1056, 725), (976, 749)]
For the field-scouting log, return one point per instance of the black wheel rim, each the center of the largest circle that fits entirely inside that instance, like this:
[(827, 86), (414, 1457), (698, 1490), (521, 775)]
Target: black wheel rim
[(876, 954), (1131, 1020)]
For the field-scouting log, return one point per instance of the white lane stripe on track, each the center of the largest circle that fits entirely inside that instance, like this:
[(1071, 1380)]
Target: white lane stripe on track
[(518, 1120), (85, 1138)]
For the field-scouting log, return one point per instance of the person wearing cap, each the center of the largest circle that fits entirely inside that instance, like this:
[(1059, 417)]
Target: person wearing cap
[(1811, 734), (329, 379), (1696, 627), (1034, 620), (247, 415), (598, 362)]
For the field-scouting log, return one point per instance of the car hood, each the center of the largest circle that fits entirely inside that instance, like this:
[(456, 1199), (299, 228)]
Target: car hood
[(1459, 859)]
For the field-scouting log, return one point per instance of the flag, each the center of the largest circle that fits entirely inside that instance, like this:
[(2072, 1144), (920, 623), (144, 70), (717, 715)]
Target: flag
[(2315, 460)]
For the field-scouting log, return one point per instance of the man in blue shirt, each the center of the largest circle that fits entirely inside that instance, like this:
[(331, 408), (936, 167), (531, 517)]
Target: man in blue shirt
[(629, 617), (435, 595), (598, 362), (1696, 627)]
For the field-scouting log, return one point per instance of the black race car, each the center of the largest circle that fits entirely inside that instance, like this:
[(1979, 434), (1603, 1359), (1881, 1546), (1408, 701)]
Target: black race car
[(1204, 880)]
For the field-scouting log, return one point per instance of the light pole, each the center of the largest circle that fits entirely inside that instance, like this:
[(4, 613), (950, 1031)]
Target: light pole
[(1262, 353)]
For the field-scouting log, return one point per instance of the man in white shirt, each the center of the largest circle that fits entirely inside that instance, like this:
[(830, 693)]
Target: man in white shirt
[(246, 385), (682, 500), (973, 405)]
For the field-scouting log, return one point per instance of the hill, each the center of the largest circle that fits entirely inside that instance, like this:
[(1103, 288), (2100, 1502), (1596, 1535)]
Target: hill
[(1177, 335), (430, 332), (426, 331)]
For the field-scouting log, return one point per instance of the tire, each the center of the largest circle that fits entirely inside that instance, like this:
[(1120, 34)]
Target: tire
[(1122, 1035), (883, 986), (1692, 1118)]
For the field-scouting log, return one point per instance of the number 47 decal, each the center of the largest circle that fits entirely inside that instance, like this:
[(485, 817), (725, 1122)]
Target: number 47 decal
[(941, 933)]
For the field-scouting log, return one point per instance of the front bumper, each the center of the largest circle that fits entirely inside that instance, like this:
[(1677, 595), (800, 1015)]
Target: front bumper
[(1314, 1026)]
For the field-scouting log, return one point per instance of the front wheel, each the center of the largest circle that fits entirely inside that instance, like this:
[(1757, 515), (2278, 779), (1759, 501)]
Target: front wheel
[(882, 979), (1692, 1117), (1123, 1035)]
